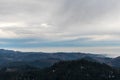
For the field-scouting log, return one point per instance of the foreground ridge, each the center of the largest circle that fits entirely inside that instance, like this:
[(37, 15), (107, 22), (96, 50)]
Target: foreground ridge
[(67, 70)]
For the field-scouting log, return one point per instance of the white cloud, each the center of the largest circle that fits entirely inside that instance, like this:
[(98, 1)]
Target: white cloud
[(7, 34), (105, 37)]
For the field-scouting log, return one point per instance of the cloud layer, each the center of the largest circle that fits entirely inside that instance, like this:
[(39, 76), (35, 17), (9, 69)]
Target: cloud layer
[(59, 23)]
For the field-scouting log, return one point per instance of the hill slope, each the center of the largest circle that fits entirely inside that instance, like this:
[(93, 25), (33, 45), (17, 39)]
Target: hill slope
[(81, 70), (67, 70)]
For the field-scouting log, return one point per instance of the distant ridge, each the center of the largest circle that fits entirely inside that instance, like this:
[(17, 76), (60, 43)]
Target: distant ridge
[(8, 57)]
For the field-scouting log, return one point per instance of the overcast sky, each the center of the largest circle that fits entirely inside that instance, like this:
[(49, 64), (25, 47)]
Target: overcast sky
[(60, 24)]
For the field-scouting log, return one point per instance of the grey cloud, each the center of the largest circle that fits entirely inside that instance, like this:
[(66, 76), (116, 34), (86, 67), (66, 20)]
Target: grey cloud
[(68, 18)]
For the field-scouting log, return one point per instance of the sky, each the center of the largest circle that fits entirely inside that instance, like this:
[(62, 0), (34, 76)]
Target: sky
[(61, 25)]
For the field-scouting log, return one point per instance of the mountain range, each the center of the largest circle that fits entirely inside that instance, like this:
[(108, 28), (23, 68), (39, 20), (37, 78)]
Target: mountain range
[(13, 59)]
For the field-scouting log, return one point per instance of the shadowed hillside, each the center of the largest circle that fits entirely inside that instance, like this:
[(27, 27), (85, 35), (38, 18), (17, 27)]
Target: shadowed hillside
[(67, 70)]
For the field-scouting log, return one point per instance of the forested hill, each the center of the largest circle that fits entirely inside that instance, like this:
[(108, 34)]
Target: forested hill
[(67, 70), (81, 70)]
